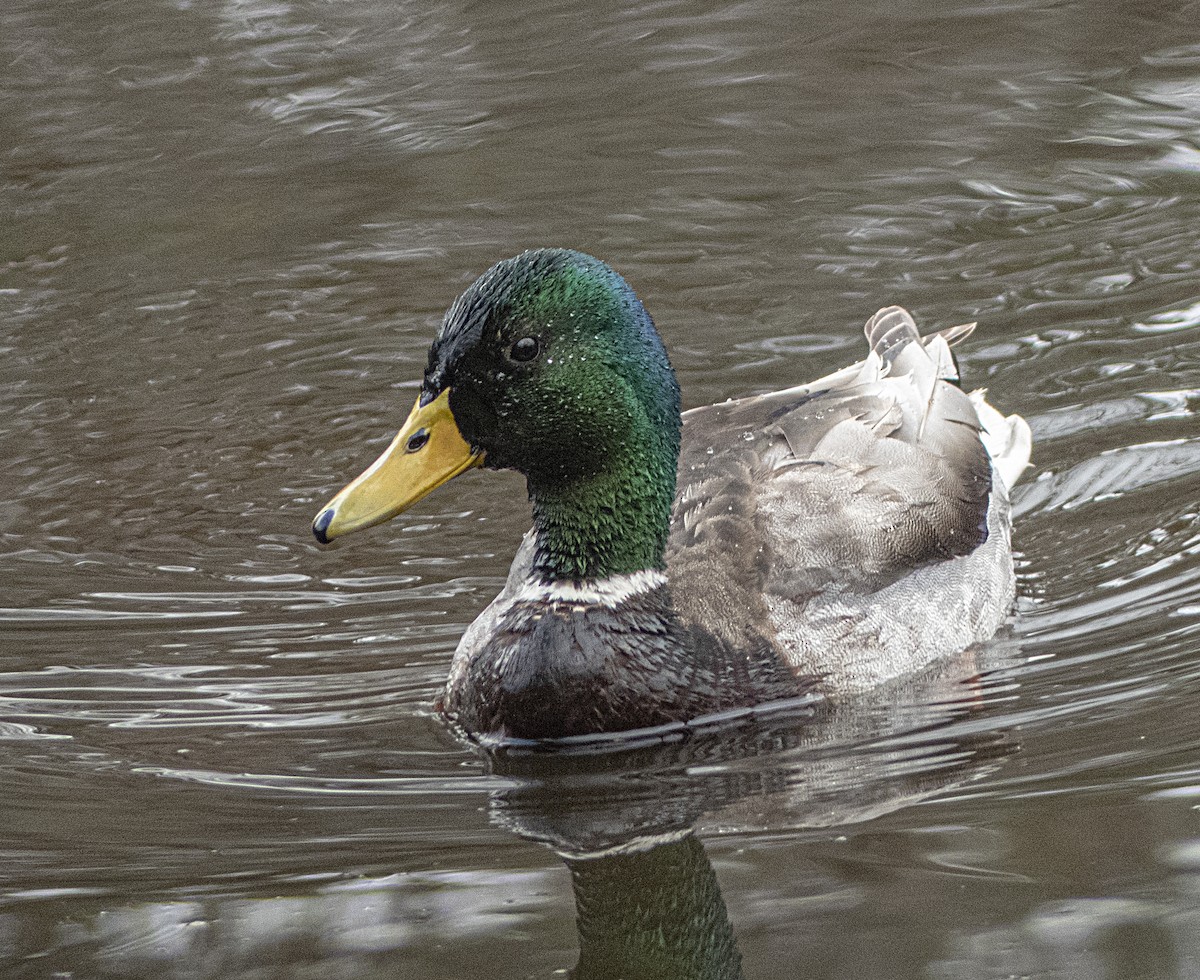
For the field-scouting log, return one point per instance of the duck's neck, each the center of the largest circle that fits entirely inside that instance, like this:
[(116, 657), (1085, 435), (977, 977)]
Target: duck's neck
[(611, 522)]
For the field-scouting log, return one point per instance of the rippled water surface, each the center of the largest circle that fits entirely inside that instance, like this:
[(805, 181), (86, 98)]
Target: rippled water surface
[(230, 229)]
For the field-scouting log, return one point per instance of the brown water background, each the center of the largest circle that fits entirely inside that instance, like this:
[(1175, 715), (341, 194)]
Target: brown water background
[(229, 230)]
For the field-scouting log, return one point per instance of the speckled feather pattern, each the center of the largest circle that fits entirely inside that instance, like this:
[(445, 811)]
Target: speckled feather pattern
[(860, 516)]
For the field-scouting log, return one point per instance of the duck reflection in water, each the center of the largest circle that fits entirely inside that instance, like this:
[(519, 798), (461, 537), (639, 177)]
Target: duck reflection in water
[(628, 824), (653, 913)]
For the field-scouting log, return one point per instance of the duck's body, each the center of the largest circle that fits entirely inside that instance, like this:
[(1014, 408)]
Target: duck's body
[(823, 538)]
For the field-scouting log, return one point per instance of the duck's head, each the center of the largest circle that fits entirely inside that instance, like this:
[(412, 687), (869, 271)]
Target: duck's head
[(549, 365)]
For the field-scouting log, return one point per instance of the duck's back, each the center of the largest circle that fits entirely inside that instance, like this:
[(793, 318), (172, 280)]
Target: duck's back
[(859, 523)]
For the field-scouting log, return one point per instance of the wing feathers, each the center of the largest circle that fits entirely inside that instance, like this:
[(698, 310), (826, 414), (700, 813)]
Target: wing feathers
[(855, 479)]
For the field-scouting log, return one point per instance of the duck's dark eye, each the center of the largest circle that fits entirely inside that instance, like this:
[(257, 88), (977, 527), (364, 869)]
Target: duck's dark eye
[(416, 441), (525, 349)]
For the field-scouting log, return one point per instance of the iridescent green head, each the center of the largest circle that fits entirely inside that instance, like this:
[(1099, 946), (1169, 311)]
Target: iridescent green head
[(549, 365), (553, 366)]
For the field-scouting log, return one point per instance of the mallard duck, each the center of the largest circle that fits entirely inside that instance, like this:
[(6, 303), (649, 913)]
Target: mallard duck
[(815, 540)]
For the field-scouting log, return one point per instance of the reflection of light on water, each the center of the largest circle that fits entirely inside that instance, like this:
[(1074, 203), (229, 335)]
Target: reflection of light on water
[(1181, 156), (10, 730), (1154, 119), (428, 98), (212, 937), (340, 786), (1074, 937), (1175, 404), (201, 696), (1112, 473), (1171, 320)]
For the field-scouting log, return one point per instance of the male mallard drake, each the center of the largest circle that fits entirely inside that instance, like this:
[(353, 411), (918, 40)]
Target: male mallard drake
[(826, 537)]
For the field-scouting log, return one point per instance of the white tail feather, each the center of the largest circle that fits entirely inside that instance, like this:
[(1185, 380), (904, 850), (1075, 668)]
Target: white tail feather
[(1006, 438)]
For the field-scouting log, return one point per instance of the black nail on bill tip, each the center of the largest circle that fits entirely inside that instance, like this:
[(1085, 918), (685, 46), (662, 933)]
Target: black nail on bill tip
[(321, 525)]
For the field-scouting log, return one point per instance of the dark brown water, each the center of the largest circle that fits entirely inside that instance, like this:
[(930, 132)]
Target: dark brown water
[(230, 228)]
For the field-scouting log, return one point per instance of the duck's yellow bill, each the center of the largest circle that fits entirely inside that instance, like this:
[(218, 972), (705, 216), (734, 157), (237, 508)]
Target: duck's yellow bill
[(428, 452)]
